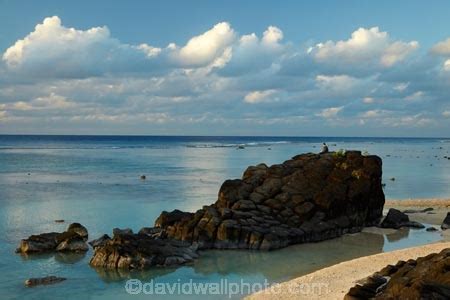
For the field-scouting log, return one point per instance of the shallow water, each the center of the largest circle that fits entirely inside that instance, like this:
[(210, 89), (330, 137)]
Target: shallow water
[(95, 181)]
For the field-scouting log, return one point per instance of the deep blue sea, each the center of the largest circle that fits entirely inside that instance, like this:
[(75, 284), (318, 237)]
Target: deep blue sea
[(95, 180)]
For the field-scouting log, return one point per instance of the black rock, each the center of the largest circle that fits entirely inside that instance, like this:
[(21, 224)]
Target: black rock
[(100, 242), (394, 219), (423, 278), (283, 198), (140, 251), (74, 239), (446, 223)]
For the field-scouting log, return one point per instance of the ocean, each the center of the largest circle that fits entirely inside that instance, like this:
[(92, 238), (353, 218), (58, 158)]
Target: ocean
[(95, 180)]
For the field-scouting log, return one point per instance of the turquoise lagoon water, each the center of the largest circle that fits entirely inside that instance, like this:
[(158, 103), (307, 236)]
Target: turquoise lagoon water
[(95, 181)]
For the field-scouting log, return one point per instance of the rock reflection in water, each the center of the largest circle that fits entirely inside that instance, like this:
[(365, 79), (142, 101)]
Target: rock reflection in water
[(113, 275), (61, 257), (277, 265), (289, 262), (400, 234)]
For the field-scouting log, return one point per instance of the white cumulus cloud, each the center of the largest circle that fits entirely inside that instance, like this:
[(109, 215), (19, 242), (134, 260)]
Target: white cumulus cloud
[(365, 45), (205, 48)]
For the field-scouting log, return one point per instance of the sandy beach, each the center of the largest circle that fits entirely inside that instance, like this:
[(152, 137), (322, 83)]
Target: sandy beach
[(334, 282)]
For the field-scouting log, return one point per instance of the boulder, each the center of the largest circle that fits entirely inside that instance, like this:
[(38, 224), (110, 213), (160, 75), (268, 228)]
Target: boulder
[(424, 278), (396, 219), (79, 229), (307, 198), (43, 281), (43, 242), (446, 223), (74, 239), (140, 251)]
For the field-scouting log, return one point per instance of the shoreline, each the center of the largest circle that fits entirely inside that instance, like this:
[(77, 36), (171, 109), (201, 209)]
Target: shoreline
[(336, 280)]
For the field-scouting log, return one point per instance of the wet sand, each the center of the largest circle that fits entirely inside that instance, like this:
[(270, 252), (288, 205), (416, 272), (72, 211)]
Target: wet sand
[(334, 282)]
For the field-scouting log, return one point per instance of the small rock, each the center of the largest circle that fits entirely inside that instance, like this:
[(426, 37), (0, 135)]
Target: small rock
[(446, 223), (74, 239), (143, 177), (396, 219), (59, 221), (43, 281), (431, 229), (392, 179)]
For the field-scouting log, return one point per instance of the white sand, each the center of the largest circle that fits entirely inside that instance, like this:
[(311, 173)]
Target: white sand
[(335, 281)]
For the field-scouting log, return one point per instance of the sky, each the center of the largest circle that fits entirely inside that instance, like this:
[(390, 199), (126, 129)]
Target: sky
[(283, 68)]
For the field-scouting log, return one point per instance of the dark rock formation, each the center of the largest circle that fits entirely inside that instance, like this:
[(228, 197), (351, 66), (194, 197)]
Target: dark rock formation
[(43, 281), (100, 242), (117, 231), (74, 239), (446, 223), (396, 219), (424, 278), (139, 251), (308, 198)]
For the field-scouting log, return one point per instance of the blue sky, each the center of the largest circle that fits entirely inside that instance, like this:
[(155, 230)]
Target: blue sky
[(360, 68)]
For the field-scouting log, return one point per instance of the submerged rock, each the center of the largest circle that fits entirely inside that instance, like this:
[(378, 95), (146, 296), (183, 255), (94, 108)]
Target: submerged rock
[(43, 281), (396, 219), (415, 211), (139, 251), (74, 239), (308, 198), (424, 278)]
